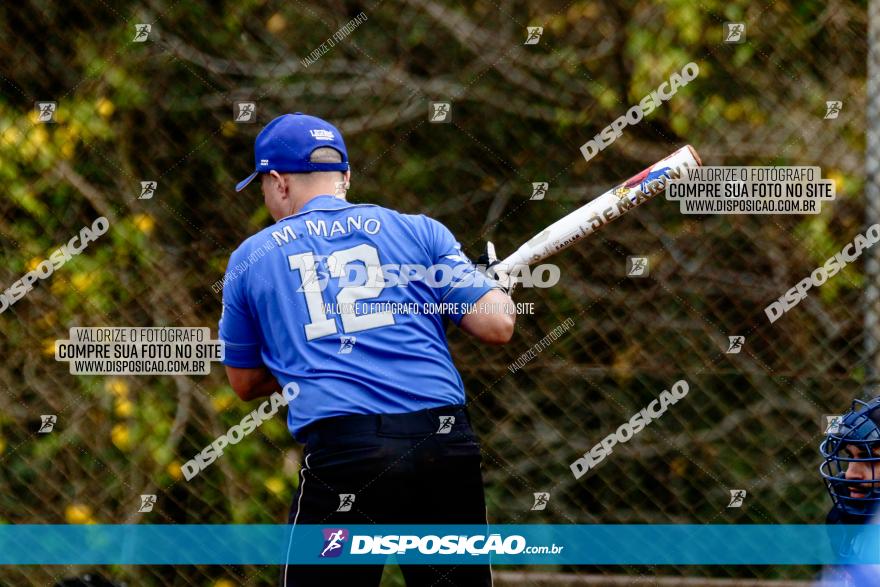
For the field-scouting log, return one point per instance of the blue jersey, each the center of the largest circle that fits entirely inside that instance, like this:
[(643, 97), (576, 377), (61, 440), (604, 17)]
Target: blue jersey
[(850, 545), (332, 299)]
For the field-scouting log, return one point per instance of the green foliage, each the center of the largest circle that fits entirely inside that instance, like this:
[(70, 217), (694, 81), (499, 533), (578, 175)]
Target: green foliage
[(161, 110)]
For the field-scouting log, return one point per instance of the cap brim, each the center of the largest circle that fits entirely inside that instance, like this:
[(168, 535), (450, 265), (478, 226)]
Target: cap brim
[(244, 183)]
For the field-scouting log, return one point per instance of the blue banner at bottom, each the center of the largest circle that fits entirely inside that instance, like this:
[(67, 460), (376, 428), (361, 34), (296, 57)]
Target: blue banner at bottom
[(439, 544)]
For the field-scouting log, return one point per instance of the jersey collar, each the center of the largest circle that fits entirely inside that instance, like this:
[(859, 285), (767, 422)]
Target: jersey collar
[(322, 202)]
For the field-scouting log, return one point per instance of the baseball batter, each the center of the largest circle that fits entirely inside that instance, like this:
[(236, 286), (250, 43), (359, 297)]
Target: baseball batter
[(378, 402)]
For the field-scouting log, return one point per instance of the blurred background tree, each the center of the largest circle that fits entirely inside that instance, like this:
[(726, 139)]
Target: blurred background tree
[(162, 110)]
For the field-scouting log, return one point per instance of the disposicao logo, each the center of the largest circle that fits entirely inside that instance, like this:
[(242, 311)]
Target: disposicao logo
[(334, 538)]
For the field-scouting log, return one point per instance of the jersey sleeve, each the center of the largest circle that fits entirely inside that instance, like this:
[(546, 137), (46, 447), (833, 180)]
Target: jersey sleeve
[(467, 284), (239, 329)]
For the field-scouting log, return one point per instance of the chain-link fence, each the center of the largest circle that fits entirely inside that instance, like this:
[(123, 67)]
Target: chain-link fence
[(160, 104)]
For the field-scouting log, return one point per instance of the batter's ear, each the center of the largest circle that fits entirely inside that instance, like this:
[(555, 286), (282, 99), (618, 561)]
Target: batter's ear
[(280, 183), (342, 186)]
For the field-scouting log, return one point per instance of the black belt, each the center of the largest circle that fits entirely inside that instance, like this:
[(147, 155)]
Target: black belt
[(404, 425)]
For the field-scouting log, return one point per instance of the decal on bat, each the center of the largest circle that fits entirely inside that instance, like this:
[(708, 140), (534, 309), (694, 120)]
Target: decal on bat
[(646, 177), (644, 182)]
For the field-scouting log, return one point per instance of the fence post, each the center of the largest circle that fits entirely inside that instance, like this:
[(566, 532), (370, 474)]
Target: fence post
[(872, 203)]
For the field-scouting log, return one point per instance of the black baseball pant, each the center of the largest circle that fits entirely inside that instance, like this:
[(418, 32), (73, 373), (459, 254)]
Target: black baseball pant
[(411, 468)]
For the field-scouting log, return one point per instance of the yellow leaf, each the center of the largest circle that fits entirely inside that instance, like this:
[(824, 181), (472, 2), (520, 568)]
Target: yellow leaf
[(276, 23), (222, 402), (144, 223), (105, 108), (82, 281), (2, 445), (78, 513), (275, 485), (68, 150), (32, 264), (173, 469), (38, 136), (228, 128), (678, 467), (117, 387), (224, 583), (839, 181), (124, 408), (733, 111), (11, 136), (49, 346), (121, 437)]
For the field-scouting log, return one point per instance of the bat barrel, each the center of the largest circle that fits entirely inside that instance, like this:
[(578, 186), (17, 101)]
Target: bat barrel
[(612, 204)]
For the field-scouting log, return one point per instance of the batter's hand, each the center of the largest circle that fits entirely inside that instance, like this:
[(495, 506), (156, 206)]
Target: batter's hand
[(489, 264)]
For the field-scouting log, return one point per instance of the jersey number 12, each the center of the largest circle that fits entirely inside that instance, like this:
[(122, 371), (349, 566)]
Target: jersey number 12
[(319, 324)]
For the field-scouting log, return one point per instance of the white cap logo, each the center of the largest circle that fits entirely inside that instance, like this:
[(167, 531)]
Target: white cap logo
[(321, 134)]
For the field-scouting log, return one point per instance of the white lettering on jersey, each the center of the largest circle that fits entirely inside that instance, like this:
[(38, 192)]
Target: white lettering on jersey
[(343, 227)]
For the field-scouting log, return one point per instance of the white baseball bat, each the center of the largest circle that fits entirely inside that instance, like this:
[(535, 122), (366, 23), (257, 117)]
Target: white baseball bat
[(598, 212)]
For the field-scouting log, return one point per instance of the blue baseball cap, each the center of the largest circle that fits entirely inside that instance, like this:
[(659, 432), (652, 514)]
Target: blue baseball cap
[(286, 144)]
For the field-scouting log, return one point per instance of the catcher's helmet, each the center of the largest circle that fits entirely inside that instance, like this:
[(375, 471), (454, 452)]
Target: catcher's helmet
[(860, 429)]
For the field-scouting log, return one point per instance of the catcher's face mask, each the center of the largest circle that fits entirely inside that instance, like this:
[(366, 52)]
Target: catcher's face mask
[(851, 465)]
